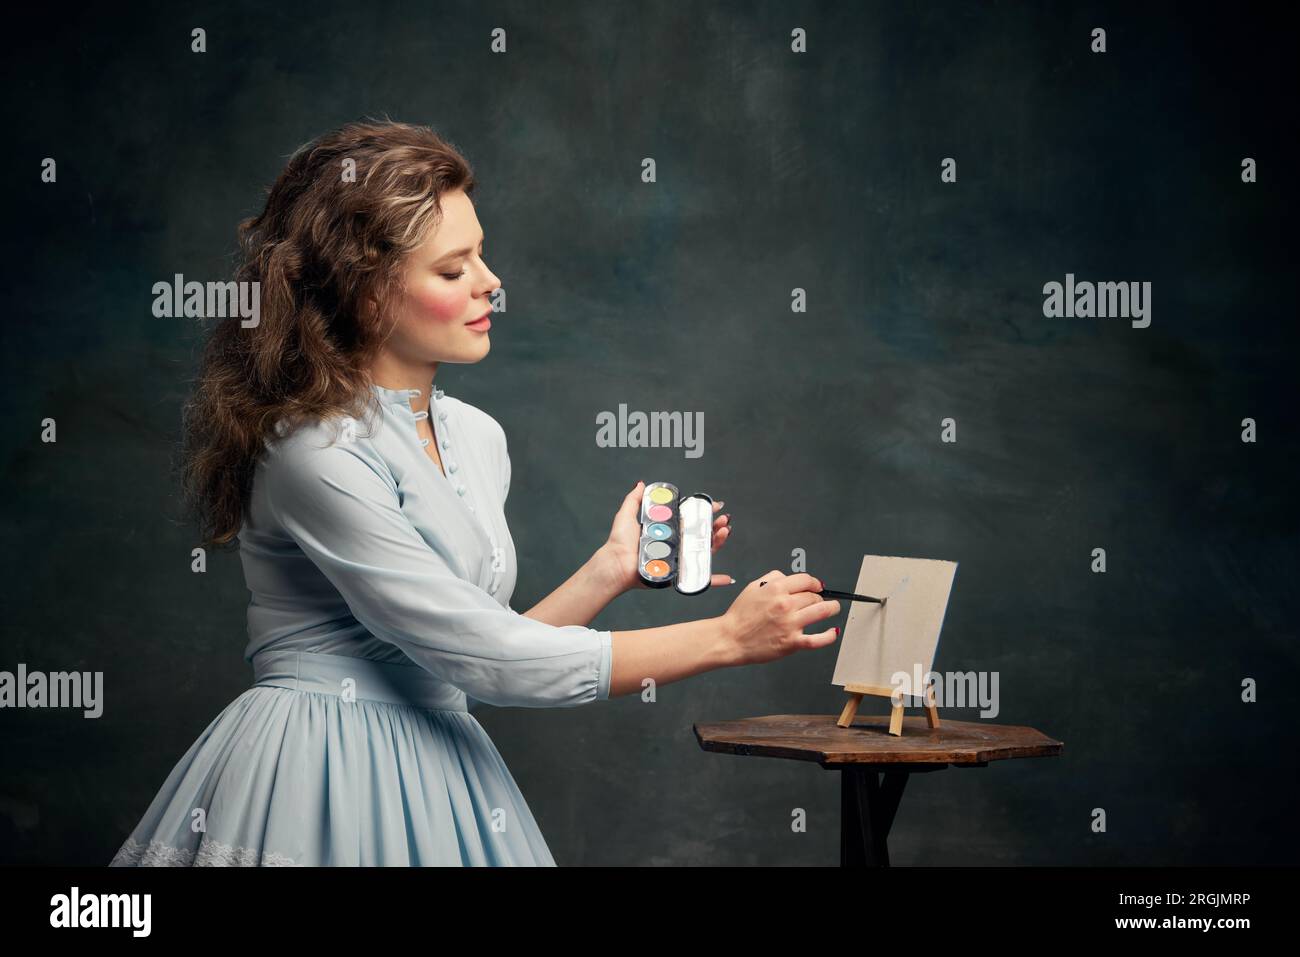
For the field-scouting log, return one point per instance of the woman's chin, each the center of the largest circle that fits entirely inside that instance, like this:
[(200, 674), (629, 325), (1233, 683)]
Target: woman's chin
[(472, 352)]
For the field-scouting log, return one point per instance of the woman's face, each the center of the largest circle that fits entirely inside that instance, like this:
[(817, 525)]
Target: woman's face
[(447, 284)]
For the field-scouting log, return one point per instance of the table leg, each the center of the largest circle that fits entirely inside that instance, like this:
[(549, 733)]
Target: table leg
[(867, 808)]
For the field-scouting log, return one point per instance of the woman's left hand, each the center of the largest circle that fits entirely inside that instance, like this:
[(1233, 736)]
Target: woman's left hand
[(618, 556)]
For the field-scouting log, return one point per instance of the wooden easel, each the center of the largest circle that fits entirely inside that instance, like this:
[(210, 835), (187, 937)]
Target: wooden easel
[(855, 693)]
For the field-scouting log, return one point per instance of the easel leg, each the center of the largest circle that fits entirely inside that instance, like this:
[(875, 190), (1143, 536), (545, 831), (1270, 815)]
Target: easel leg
[(850, 710), (931, 709), (867, 808), (896, 707), (896, 720)]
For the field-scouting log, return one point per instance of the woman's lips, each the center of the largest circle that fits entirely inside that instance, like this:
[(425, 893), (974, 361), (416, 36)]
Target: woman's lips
[(482, 324)]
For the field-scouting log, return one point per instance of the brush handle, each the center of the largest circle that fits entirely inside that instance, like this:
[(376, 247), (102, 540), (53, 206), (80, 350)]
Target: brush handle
[(848, 596)]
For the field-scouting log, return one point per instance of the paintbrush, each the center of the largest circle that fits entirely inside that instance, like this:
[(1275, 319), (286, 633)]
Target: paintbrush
[(849, 596), (846, 595)]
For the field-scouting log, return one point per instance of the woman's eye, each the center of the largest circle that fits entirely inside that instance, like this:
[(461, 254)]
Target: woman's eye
[(453, 275)]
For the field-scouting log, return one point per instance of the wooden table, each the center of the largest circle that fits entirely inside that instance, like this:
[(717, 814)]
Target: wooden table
[(873, 764)]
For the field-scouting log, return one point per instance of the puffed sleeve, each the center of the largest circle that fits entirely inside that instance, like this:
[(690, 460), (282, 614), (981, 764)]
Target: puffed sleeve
[(344, 514), (500, 451)]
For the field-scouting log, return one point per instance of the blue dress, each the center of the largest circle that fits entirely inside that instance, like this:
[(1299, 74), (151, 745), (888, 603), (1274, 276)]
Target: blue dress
[(380, 610)]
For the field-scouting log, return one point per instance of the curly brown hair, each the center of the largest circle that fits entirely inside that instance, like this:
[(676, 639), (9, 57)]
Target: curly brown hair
[(328, 250)]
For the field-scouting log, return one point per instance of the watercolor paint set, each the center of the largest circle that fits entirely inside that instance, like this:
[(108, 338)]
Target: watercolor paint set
[(676, 539)]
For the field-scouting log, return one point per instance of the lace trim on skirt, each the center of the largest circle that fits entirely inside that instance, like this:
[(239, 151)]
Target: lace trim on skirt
[(209, 854)]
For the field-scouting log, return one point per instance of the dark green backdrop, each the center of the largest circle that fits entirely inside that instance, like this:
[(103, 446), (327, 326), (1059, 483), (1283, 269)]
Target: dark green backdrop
[(775, 171)]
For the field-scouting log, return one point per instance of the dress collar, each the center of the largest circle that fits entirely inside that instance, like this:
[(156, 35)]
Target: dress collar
[(403, 397)]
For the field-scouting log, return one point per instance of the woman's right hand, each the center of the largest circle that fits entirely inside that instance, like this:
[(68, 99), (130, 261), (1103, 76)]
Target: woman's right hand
[(767, 619)]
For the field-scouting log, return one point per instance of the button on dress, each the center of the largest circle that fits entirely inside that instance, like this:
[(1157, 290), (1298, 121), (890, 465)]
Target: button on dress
[(379, 612)]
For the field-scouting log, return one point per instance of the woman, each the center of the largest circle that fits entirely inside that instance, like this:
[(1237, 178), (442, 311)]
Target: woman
[(368, 507)]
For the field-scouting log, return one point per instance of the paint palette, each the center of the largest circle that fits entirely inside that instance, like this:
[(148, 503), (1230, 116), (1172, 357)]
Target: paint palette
[(676, 539)]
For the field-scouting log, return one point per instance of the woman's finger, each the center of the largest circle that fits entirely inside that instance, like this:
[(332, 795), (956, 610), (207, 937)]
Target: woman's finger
[(632, 501), (720, 536), (821, 639), (719, 579), (817, 611)]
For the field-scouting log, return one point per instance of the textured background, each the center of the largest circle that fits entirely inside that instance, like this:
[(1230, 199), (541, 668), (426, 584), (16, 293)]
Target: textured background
[(775, 171)]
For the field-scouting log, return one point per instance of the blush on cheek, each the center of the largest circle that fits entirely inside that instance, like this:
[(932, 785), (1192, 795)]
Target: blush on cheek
[(441, 305)]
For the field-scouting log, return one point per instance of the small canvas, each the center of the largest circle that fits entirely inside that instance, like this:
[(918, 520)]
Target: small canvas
[(903, 633)]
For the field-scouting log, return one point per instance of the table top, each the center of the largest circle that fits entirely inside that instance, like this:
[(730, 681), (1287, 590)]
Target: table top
[(816, 737)]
